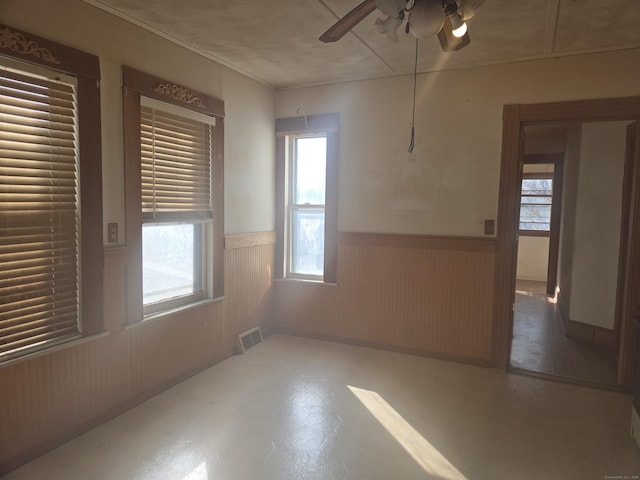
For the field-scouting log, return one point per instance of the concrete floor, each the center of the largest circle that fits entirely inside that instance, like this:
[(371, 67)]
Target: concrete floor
[(295, 408), (540, 345)]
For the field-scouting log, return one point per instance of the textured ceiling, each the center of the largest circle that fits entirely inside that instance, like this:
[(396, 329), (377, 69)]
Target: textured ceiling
[(276, 41)]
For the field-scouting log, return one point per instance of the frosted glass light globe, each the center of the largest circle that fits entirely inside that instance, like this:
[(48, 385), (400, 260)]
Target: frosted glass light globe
[(425, 18)]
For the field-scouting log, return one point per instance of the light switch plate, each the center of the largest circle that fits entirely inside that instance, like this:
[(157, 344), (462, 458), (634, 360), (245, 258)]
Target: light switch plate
[(489, 227), (112, 232)]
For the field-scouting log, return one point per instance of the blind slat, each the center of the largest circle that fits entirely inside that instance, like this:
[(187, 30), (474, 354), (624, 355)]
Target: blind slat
[(33, 305), (37, 318), (39, 222), (175, 167)]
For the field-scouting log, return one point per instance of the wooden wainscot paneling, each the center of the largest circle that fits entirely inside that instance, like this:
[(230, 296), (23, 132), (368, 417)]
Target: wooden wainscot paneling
[(423, 242), (421, 294), (58, 394), (249, 260)]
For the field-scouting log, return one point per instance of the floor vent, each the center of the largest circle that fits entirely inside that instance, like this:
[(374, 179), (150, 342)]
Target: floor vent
[(248, 339)]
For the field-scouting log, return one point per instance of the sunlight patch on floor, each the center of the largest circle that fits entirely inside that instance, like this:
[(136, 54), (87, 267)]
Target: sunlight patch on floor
[(425, 454), (198, 473)]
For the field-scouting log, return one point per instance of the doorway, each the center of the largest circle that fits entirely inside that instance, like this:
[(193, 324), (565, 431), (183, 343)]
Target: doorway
[(563, 324), (517, 119)]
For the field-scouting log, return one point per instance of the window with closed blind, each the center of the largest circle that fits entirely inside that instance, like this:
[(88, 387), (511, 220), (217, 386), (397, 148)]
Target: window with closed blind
[(174, 161), (38, 159), (42, 229)]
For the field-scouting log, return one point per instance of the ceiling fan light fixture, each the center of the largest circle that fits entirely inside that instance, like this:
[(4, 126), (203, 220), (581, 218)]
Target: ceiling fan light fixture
[(460, 28), (425, 18)]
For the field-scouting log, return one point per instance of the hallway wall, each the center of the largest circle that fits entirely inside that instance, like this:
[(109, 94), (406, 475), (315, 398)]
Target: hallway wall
[(596, 238)]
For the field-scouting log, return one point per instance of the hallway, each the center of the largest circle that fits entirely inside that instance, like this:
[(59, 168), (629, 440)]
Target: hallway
[(539, 344)]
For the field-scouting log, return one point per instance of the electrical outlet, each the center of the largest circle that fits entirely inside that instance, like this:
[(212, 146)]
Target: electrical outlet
[(489, 227), (112, 232)]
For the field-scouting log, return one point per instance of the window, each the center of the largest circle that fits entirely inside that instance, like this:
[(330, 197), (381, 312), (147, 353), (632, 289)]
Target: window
[(307, 190), (305, 219), (535, 203), (173, 164), (175, 175), (50, 196)]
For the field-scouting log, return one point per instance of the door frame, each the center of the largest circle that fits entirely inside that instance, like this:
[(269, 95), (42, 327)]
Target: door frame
[(515, 117), (627, 185)]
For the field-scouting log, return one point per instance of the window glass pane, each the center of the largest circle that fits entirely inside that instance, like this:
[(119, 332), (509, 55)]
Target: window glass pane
[(307, 241), (535, 204), (169, 259), (535, 217), (537, 186), (311, 159)]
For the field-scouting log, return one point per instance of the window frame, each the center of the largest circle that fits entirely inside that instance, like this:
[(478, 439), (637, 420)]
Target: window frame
[(312, 125), (203, 254), (156, 118), (536, 176), (135, 85), (85, 68), (292, 206)]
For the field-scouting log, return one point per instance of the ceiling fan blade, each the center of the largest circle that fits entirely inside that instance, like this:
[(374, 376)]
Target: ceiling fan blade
[(448, 41), (350, 20)]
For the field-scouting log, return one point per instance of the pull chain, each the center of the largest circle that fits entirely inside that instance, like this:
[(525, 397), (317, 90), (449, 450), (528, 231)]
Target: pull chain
[(413, 113)]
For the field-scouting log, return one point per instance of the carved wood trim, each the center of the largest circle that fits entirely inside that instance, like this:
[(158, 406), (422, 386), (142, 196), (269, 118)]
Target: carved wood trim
[(18, 43), (170, 92), (179, 93), (31, 48)]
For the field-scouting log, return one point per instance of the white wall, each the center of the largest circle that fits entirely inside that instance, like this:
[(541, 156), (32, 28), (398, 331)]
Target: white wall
[(450, 184), (597, 224), (533, 258), (249, 123), (568, 216)]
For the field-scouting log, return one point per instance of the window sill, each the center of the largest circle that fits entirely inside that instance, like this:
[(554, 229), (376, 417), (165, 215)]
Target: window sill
[(74, 342), (534, 233), (305, 281), (152, 317)]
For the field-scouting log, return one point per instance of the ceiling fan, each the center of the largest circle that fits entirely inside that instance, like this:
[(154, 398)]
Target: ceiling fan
[(422, 18)]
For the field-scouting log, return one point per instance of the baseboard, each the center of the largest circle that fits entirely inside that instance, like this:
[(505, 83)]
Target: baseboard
[(564, 316), (566, 380), (635, 425), (407, 351), (600, 336)]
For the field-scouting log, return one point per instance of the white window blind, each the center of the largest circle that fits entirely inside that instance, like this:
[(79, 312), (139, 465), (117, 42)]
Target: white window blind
[(175, 167), (39, 219)]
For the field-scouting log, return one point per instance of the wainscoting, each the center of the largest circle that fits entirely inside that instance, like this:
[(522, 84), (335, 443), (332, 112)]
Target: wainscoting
[(419, 294), (425, 295), (54, 396)]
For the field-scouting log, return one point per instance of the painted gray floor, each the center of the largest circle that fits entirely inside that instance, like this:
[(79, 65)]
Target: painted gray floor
[(295, 408)]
